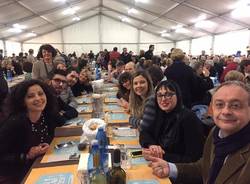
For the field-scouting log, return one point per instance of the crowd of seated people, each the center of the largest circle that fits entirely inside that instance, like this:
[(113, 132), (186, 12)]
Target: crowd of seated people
[(157, 91)]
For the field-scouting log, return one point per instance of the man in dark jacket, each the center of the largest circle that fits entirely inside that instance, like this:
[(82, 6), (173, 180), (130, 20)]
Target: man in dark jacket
[(149, 54), (125, 56), (59, 82), (183, 75)]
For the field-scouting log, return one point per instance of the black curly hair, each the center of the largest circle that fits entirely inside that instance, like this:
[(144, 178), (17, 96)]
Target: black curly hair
[(48, 48), (15, 100)]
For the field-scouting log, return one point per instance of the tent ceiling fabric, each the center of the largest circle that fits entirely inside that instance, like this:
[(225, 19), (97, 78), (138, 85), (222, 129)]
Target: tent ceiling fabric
[(155, 16)]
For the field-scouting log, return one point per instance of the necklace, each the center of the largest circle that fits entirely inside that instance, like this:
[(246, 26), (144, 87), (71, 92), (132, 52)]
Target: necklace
[(40, 129)]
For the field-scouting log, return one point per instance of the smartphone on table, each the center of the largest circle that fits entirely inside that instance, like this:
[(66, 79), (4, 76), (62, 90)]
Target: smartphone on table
[(136, 154)]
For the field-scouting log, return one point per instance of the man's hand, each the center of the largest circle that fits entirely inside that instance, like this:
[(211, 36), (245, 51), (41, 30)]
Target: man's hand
[(160, 167)]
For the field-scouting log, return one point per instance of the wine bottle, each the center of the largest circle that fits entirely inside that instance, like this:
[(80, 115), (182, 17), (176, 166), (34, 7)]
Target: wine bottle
[(116, 175)]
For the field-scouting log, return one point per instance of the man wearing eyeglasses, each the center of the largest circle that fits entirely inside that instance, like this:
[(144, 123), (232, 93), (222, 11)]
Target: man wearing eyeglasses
[(226, 155), (58, 82)]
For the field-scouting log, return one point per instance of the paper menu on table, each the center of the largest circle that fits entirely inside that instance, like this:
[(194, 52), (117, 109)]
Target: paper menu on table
[(84, 109), (143, 181), (84, 100), (125, 132), (58, 178)]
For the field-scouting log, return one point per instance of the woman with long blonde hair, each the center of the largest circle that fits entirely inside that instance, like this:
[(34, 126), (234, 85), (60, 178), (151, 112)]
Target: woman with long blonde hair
[(141, 89)]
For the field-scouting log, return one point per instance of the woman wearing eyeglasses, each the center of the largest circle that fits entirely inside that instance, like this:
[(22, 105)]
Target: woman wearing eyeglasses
[(169, 130)]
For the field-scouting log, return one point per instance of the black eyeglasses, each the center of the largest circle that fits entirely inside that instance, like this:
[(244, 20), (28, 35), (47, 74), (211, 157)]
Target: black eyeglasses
[(166, 95), (124, 81), (59, 81)]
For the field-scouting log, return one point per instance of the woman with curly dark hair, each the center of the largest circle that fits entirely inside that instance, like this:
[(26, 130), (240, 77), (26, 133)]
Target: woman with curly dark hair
[(45, 65), (28, 130)]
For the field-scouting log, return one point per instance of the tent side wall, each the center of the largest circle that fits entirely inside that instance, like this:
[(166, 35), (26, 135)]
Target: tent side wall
[(98, 33)]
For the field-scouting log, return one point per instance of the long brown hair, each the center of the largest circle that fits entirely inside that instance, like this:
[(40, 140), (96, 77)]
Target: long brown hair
[(136, 102)]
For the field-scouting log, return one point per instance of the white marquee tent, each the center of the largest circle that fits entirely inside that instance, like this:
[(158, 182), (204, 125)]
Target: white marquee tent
[(216, 26)]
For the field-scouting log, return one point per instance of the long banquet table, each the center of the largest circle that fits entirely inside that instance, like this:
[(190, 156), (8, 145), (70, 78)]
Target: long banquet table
[(54, 168)]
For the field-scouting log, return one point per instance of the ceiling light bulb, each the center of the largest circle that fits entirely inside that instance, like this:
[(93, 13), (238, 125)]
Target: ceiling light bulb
[(15, 30), (142, 1), (205, 24), (71, 11), (76, 19), (182, 30), (19, 26), (132, 11), (177, 26), (31, 34), (200, 18), (125, 19), (68, 11)]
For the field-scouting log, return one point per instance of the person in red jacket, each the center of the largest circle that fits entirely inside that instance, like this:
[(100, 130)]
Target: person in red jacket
[(232, 64), (114, 54)]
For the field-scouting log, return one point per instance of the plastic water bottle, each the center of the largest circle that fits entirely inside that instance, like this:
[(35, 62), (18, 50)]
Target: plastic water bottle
[(216, 80), (97, 72), (103, 142), (97, 176), (9, 75), (94, 152)]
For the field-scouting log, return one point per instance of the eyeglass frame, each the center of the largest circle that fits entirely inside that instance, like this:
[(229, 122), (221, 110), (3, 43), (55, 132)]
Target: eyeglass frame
[(59, 81), (167, 95)]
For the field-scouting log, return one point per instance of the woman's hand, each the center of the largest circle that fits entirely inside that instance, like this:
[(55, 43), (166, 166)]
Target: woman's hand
[(156, 151), (37, 150), (123, 103), (146, 153), (153, 151)]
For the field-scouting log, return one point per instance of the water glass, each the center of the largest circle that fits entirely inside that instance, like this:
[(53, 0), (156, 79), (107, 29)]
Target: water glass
[(125, 158)]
